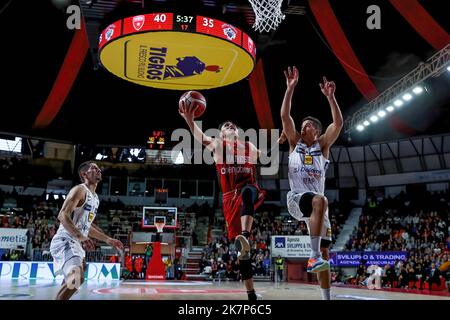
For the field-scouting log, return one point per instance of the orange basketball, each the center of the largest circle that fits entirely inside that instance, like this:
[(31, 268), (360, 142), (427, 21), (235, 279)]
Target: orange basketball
[(194, 98)]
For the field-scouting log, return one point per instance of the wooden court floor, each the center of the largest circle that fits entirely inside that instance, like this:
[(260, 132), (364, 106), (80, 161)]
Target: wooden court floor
[(199, 290)]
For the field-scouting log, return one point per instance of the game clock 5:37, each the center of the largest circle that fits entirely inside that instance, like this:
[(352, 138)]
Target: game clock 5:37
[(184, 23)]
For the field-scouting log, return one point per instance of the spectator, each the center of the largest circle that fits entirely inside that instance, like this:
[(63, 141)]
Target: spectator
[(129, 263), (221, 268), (266, 264), (138, 264), (168, 264), (360, 273), (412, 277), (279, 263), (433, 276), (6, 256), (421, 275), (114, 259), (403, 277), (14, 255)]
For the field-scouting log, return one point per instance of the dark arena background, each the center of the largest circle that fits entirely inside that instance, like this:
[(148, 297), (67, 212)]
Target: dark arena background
[(101, 81)]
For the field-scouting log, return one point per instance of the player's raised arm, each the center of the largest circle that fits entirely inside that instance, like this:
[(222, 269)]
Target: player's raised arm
[(289, 130), (187, 112), (75, 197), (274, 147), (332, 133)]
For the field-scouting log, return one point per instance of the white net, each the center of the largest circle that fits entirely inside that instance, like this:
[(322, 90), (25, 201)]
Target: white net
[(160, 226), (159, 222), (268, 14)]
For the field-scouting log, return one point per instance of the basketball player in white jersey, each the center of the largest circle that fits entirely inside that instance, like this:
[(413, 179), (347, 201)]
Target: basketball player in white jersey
[(73, 236), (308, 161)]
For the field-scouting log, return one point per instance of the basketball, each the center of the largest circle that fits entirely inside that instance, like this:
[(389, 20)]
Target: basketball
[(194, 98)]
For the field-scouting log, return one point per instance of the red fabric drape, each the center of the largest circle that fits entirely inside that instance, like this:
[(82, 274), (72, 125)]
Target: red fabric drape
[(324, 14), (66, 77), (261, 97), (422, 22)]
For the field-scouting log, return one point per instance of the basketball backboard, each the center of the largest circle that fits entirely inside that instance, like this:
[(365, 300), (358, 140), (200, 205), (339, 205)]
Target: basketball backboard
[(149, 214)]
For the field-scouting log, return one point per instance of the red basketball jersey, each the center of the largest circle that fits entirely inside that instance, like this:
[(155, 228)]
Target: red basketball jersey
[(236, 170)]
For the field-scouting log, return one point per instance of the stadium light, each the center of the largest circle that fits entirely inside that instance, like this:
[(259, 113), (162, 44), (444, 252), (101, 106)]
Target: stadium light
[(418, 90), (360, 127), (398, 103), (411, 84), (407, 97), (381, 113), (366, 123), (374, 118), (390, 108)]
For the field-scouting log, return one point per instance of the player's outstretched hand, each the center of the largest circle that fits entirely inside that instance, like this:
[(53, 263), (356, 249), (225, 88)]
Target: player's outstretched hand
[(187, 111), (328, 87), (291, 75), (115, 243), (282, 138)]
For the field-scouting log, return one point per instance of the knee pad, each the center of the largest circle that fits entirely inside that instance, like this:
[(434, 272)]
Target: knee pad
[(293, 207), (305, 203), (246, 269), (248, 199)]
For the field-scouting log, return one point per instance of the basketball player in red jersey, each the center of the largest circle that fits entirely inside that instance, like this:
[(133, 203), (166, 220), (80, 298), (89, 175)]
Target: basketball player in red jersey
[(236, 167)]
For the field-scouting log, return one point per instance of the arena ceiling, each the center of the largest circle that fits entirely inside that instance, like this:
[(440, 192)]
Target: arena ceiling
[(102, 109)]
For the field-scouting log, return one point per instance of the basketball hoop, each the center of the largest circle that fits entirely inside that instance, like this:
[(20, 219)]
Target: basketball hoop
[(159, 222), (268, 14), (159, 226)]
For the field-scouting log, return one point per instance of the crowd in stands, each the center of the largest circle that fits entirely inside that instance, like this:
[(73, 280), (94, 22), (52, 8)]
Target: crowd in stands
[(403, 224), (417, 225), (219, 256), (37, 214), (219, 259)]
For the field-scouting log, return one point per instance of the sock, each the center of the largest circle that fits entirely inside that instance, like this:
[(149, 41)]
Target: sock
[(246, 234), (326, 294), (315, 246), (251, 295)]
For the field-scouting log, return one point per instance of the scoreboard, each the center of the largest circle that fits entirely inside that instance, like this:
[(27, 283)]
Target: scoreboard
[(177, 22), (175, 51), (157, 140)]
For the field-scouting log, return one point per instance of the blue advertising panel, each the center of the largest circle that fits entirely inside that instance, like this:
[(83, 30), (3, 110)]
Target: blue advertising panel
[(353, 258)]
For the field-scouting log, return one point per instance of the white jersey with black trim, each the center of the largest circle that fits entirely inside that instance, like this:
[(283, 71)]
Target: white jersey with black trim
[(307, 168), (82, 216)]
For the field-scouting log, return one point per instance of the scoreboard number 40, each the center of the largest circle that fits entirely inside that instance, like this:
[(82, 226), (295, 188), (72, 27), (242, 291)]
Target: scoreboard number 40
[(160, 18)]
